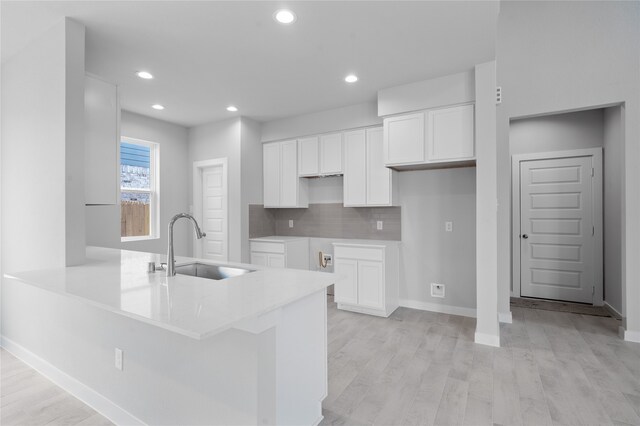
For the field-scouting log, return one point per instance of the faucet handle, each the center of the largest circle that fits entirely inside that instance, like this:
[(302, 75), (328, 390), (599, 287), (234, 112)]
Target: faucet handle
[(152, 267)]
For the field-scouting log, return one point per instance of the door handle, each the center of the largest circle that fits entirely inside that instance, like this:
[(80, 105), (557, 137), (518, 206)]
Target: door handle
[(525, 236)]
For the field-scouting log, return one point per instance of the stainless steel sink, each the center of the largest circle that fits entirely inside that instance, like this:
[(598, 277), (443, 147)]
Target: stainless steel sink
[(212, 272)]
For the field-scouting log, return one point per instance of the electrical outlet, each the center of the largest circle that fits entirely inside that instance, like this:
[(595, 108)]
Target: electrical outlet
[(119, 355), (437, 290), (290, 223), (448, 226), (379, 225), (328, 259)]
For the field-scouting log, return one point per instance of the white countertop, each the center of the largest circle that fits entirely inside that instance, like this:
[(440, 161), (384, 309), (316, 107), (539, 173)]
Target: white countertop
[(278, 239), (347, 242), (282, 239), (117, 280)]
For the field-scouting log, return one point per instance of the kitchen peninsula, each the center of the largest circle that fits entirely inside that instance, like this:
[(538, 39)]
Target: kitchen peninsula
[(249, 349)]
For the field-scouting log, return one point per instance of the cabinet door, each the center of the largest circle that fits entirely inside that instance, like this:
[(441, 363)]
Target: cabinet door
[(275, 260), (346, 287), (102, 140), (355, 156), (450, 133), (271, 174), (404, 139), (258, 258), (331, 154), (308, 161), (370, 284), (289, 174), (378, 176)]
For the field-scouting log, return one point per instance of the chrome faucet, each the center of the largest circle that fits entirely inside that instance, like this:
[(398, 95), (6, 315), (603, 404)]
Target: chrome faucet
[(171, 262)]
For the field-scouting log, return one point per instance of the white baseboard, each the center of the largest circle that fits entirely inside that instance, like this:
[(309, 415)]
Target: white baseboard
[(435, 307), (81, 391), (629, 336), (613, 311), (487, 339), (505, 317)]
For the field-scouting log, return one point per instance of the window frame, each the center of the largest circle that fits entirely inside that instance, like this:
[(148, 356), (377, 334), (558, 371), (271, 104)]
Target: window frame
[(154, 190)]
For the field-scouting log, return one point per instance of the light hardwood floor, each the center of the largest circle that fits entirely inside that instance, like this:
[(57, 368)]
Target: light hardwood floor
[(29, 399), (423, 368)]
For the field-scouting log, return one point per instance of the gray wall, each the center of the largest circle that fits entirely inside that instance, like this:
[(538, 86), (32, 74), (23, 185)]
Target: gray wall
[(562, 56), (428, 199), (557, 132), (103, 222), (349, 117), (437, 92), (613, 153), (221, 140)]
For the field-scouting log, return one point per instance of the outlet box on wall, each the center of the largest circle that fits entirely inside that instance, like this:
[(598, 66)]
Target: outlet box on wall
[(437, 290)]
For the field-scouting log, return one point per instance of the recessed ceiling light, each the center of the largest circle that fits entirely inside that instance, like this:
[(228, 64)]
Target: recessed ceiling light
[(231, 108), (158, 107), (144, 74), (285, 16), (351, 78)]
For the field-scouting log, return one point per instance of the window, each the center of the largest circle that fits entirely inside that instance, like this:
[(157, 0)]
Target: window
[(139, 217)]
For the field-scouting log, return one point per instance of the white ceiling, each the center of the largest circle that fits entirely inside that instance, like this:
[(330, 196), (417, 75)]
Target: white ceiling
[(207, 55)]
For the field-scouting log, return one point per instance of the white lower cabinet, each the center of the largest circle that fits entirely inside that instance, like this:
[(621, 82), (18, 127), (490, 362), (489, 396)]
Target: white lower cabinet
[(368, 277), (273, 260), (280, 252)]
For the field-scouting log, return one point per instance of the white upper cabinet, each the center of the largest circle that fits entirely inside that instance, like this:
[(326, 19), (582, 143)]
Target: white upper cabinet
[(320, 155), (380, 179), (289, 181), (355, 169), (404, 139), (367, 182), (271, 174), (282, 186), (331, 154), (450, 133), (430, 139), (102, 141), (308, 161)]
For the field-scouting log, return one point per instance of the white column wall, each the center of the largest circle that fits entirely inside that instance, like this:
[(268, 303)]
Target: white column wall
[(487, 327)]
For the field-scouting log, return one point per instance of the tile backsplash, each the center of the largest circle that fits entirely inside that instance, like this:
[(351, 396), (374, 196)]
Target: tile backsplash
[(326, 221), (262, 222)]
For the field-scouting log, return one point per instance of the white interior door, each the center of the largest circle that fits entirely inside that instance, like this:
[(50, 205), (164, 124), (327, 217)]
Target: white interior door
[(558, 248), (214, 245)]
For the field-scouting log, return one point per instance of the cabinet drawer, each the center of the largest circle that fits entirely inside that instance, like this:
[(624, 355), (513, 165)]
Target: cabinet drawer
[(266, 247), (360, 253)]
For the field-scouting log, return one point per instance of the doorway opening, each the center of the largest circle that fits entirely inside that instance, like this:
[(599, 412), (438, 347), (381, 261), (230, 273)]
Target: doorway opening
[(210, 208), (566, 207)]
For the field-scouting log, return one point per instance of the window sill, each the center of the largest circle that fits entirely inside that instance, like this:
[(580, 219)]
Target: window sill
[(141, 238)]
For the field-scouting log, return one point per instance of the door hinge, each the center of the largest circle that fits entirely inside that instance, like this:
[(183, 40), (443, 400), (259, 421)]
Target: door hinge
[(593, 230), (593, 172), (498, 94), (593, 290)]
